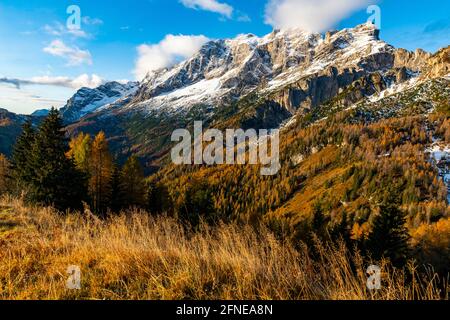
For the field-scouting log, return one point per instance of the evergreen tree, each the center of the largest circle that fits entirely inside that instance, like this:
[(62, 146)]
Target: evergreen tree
[(55, 181), (158, 198), (22, 169), (341, 231), (319, 222), (100, 172), (5, 178), (133, 183), (117, 192), (198, 204), (389, 236)]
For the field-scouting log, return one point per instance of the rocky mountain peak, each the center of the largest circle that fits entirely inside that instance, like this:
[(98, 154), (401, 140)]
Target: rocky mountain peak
[(225, 70), (87, 100), (295, 68)]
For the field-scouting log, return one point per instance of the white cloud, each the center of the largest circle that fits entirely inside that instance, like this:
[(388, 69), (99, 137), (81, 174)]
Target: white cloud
[(244, 18), (166, 53), (310, 15), (83, 80), (58, 29), (92, 21), (209, 5), (73, 55)]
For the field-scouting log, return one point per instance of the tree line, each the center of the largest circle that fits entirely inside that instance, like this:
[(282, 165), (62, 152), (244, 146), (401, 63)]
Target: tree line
[(48, 169)]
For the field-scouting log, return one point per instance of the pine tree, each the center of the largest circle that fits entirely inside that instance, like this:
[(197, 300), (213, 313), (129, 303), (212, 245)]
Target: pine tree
[(100, 172), (133, 183), (55, 181), (341, 231), (5, 175), (117, 193), (198, 204), (21, 166), (319, 222), (389, 236), (158, 198)]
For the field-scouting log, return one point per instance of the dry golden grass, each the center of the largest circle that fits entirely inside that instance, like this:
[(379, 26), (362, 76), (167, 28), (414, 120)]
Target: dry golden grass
[(135, 256)]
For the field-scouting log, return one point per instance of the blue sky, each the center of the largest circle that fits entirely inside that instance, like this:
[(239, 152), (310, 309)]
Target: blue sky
[(42, 63)]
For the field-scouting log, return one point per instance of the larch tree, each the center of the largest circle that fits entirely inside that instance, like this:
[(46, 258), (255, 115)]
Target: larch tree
[(100, 172), (80, 151)]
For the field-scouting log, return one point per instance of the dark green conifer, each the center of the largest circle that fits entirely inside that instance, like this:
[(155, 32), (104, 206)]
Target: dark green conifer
[(389, 236), (55, 180), (21, 157)]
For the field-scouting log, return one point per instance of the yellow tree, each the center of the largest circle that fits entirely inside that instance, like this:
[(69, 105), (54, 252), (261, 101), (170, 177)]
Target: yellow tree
[(100, 170), (80, 151)]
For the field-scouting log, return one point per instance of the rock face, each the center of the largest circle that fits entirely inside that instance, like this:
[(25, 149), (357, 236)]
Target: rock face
[(438, 65), (293, 68), (87, 100), (414, 61)]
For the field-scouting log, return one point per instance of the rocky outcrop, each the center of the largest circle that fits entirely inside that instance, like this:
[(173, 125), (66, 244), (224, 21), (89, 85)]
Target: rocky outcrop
[(414, 61), (438, 65)]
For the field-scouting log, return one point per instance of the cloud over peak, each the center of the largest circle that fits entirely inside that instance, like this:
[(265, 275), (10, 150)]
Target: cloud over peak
[(172, 49), (310, 15), (83, 80)]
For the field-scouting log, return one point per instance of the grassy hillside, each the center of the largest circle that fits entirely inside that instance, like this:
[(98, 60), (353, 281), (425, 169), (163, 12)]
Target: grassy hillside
[(135, 256)]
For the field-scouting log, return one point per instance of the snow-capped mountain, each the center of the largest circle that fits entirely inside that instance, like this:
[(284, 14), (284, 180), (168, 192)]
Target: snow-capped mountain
[(87, 100), (296, 69), (225, 70)]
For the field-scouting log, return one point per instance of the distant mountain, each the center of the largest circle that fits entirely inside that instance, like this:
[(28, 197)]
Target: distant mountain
[(87, 100), (40, 113), (10, 128)]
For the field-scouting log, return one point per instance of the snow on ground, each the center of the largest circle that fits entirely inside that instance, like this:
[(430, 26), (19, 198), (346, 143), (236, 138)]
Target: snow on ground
[(200, 92), (358, 42), (394, 89), (438, 151), (108, 101), (440, 158)]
